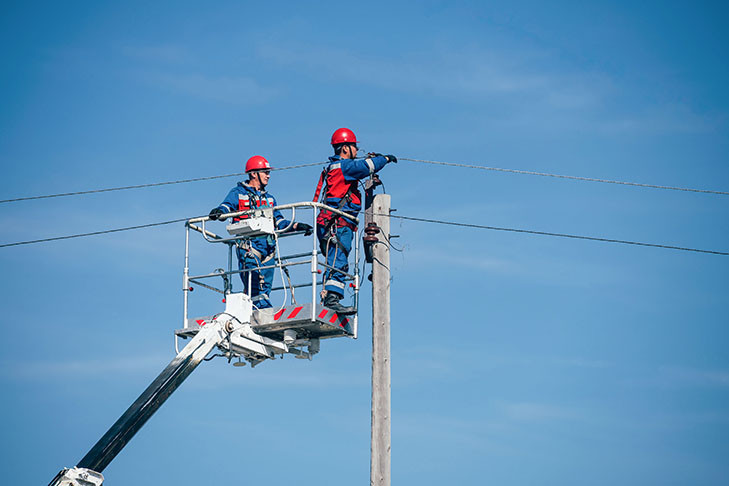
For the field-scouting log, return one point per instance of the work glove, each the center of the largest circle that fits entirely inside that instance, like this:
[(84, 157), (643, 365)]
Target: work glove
[(215, 214), (306, 228), (374, 154), (391, 158)]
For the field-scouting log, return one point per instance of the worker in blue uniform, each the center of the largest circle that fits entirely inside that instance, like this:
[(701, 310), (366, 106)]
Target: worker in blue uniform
[(259, 251), (342, 175)]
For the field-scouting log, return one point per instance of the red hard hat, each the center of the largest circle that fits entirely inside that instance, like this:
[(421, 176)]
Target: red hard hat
[(257, 162), (343, 135)]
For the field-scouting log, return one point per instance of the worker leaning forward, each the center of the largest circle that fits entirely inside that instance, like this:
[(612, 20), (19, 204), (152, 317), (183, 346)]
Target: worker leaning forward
[(342, 176), (256, 252)]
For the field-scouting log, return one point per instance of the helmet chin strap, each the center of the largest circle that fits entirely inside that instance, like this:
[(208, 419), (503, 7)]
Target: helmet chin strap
[(351, 153), (261, 185)]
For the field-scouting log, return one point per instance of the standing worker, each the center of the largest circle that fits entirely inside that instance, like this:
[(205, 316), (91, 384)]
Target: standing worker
[(256, 252), (342, 176)]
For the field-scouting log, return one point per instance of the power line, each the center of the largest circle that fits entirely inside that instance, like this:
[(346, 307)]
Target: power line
[(560, 235), (153, 184), (409, 218), (435, 162), (562, 176), (80, 235)]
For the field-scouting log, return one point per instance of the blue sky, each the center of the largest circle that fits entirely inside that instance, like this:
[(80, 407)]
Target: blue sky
[(516, 359)]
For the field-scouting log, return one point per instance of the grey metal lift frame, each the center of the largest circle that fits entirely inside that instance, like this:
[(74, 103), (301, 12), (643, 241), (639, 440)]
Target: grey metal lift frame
[(257, 340)]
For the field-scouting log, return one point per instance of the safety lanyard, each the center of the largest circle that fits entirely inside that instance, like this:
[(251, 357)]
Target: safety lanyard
[(319, 185)]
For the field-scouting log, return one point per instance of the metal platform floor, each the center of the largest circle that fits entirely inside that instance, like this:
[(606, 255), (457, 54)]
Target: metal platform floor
[(272, 323)]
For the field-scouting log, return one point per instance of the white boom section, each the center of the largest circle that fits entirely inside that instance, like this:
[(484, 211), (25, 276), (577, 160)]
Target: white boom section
[(78, 476)]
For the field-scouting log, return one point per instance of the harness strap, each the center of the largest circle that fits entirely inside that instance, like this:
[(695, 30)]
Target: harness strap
[(347, 195), (319, 185), (258, 254), (327, 218), (331, 238)]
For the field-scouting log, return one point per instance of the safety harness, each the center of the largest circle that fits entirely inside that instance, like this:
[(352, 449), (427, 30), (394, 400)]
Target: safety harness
[(256, 201), (330, 221), (328, 218), (258, 255)]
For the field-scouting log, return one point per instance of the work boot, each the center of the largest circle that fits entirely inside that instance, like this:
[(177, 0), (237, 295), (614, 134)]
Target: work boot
[(332, 301)]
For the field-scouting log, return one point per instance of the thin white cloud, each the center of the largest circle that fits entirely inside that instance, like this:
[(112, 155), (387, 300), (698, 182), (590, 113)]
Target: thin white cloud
[(308, 375), (571, 362), (696, 377), (501, 260), (423, 256), (522, 87), (672, 377), (423, 364), (72, 369), (168, 59), (160, 53), (667, 118), (238, 90), (454, 432), (169, 67), (452, 73), (537, 412)]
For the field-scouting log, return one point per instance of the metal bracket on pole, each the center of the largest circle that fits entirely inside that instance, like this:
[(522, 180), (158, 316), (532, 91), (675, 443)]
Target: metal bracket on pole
[(370, 186)]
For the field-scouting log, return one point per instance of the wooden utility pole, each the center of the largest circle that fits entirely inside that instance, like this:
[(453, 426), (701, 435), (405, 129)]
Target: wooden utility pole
[(380, 448)]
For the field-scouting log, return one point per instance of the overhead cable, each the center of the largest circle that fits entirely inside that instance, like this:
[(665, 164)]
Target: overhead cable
[(435, 162), (409, 218), (153, 184), (80, 235), (560, 235), (562, 176)]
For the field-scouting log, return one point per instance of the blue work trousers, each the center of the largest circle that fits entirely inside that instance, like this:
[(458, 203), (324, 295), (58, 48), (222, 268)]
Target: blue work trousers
[(337, 250), (261, 280)]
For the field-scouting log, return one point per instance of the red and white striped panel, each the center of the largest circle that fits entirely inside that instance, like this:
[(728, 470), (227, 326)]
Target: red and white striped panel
[(325, 315)]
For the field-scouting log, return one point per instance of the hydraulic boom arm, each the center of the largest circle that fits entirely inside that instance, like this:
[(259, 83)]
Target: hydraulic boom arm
[(87, 473)]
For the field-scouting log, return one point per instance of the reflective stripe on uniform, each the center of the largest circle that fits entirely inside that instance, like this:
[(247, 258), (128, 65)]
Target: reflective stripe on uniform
[(334, 283), (371, 165), (262, 201)]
